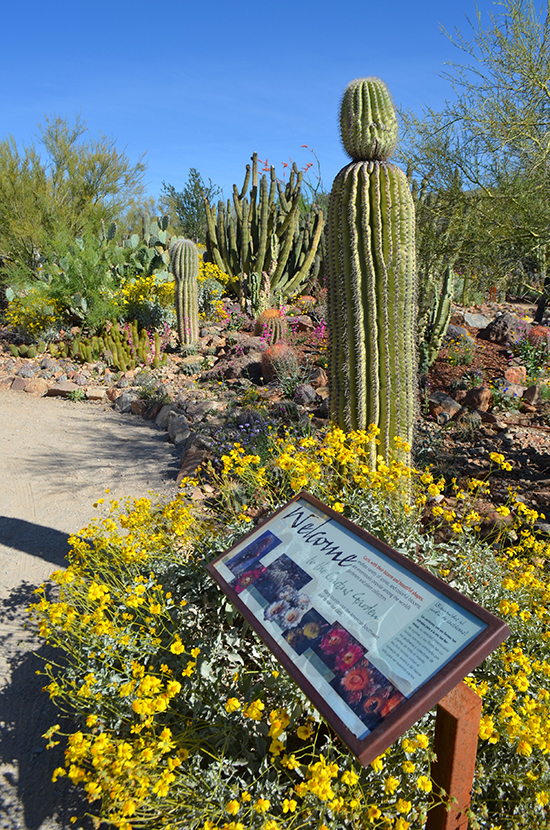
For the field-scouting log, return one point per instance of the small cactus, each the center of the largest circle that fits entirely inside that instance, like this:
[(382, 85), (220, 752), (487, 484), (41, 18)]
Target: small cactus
[(271, 325), (279, 361)]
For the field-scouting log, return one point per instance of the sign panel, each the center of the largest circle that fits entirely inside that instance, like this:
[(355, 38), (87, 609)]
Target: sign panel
[(372, 639)]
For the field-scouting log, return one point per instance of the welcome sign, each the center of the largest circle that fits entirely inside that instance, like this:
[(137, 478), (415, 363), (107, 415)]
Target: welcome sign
[(372, 639)]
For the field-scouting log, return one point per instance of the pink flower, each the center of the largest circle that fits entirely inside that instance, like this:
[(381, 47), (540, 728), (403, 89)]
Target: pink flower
[(346, 659), (335, 640)]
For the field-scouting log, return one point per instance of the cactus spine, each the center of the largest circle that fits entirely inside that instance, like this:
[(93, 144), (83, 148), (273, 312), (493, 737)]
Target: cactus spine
[(370, 275), (184, 264)]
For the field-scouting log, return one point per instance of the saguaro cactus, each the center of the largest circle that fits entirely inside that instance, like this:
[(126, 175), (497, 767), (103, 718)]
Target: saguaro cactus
[(370, 274), (184, 264)]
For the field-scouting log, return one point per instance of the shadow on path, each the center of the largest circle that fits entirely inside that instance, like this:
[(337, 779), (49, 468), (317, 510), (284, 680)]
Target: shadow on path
[(37, 540), (27, 713)]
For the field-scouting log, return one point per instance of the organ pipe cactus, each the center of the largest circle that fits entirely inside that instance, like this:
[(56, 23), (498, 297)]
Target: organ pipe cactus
[(184, 264), (264, 231), (370, 275)]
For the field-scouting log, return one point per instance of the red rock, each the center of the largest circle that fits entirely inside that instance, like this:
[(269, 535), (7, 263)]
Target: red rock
[(37, 387), (480, 398), (527, 407), (138, 406), (7, 380), (62, 389), (190, 460), (318, 377), (516, 374), (19, 384), (112, 393), (96, 393)]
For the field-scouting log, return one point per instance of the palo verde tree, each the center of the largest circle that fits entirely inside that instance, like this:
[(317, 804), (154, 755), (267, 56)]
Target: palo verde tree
[(68, 186), (496, 132)]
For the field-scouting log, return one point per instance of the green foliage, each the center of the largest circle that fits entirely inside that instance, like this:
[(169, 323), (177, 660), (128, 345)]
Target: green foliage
[(368, 124), (64, 191), (186, 207), (370, 277), (265, 232)]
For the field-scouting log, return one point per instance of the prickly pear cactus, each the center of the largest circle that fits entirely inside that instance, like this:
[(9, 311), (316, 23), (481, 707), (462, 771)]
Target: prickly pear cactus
[(370, 275), (184, 264)]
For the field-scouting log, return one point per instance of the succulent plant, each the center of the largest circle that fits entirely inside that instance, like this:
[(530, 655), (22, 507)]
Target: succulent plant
[(279, 361), (184, 264), (370, 275), (271, 325)]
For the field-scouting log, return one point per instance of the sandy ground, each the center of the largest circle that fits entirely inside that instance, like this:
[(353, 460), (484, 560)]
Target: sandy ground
[(56, 458)]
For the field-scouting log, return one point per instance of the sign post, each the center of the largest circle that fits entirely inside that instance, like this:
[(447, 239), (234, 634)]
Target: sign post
[(456, 733), (372, 639)]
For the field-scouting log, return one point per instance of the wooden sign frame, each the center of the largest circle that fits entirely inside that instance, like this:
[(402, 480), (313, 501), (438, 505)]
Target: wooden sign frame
[(352, 657)]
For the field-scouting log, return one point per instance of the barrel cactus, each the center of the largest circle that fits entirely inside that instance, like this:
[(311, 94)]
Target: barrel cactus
[(271, 325), (370, 275), (184, 264)]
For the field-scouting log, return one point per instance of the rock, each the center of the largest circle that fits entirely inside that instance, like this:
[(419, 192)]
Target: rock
[(61, 389), (190, 460), (459, 333), (138, 406), (6, 381), (318, 377), (516, 374), (480, 398), (233, 367), (323, 392), (476, 321), (178, 430), (489, 418), (48, 364), (441, 404), (97, 393), (124, 401), (304, 394), (504, 329), (528, 408), (198, 409), (123, 383), (513, 390), (113, 393), (36, 387), (163, 416), (26, 372), (19, 384), (532, 395), (460, 395)]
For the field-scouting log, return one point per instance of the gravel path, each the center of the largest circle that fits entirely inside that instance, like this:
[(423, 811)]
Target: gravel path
[(56, 459)]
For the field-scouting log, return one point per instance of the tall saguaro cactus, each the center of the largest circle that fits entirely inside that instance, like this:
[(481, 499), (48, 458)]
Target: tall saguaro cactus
[(184, 264), (370, 274)]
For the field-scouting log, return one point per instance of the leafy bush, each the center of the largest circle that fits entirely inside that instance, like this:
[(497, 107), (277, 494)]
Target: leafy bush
[(185, 719)]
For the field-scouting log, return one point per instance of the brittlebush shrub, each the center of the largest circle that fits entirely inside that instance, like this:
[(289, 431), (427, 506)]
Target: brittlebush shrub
[(185, 719)]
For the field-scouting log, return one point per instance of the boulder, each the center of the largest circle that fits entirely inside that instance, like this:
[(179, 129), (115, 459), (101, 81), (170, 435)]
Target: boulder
[(36, 387), (516, 374), (62, 389), (178, 429), (476, 321), (163, 416), (443, 407), (480, 398), (124, 401), (96, 393), (504, 329), (532, 395), (19, 384)]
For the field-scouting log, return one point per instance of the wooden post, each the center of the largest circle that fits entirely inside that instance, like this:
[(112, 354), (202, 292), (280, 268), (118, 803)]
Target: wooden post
[(456, 733)]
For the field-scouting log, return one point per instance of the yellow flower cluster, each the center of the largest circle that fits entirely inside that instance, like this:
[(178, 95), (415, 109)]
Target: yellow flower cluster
[(35, 313)]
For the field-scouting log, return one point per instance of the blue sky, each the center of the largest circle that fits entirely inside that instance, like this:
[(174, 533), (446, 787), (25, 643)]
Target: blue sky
[(206, 84)]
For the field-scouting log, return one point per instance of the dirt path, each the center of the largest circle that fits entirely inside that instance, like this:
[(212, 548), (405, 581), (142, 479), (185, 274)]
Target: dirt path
[(56, 459)]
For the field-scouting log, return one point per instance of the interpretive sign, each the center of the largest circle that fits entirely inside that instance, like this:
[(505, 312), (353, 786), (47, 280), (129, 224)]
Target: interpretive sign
[(373, 639)]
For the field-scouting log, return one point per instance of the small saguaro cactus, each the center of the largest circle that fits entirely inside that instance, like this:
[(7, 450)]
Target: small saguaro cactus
[(184, 264), (370, 275)]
